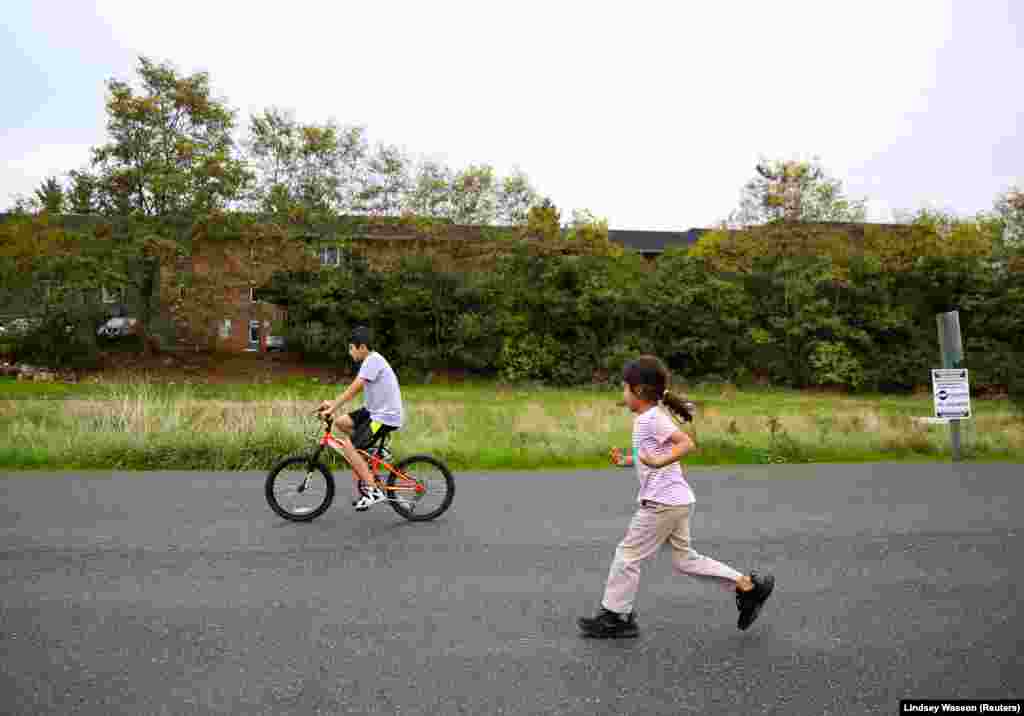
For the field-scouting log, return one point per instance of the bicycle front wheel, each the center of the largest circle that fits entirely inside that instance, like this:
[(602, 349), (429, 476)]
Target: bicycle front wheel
[(298, 490), (423, 490)]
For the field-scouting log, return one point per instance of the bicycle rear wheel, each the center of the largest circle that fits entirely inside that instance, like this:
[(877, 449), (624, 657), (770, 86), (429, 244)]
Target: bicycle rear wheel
[(424, 489), (299, 491)]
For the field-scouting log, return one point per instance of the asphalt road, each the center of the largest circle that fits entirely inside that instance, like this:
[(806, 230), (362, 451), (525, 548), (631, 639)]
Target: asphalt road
[(181, 593)]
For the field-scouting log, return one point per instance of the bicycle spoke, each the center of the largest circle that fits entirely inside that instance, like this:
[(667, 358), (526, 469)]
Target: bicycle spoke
[(419, 488), (287, 491)]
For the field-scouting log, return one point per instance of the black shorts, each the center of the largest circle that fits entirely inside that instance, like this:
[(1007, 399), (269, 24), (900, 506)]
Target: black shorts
[(365, 430)]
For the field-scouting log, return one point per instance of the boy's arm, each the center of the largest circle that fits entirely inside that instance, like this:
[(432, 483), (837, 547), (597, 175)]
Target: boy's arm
[(350, 392)]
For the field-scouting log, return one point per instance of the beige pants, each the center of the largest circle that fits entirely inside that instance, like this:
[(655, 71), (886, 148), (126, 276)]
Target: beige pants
[(650, 528)]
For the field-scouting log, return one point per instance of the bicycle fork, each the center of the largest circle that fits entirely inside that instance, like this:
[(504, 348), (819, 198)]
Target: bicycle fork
[(310, 469)]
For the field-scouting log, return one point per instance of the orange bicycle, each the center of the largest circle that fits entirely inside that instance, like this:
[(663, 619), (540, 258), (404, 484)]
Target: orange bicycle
[(300, 488)]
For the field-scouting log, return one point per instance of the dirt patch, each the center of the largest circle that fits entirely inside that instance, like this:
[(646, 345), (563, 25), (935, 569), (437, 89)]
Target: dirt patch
[(213, 368), (447, 376)]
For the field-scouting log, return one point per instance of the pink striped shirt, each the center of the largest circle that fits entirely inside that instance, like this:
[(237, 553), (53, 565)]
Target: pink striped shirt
[(651, 432)]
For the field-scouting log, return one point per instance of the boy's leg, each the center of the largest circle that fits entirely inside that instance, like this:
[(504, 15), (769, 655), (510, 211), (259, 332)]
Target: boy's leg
[(359, 467), (345, 424)]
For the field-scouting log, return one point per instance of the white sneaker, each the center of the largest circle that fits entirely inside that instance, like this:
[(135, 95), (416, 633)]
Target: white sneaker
[(370, 498)]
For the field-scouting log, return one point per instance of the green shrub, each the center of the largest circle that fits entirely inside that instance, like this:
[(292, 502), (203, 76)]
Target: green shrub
[(834, 364)]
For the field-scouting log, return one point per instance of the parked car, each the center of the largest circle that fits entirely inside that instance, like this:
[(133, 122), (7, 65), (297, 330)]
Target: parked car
[(117, 327), (275, 343), (19, 326)]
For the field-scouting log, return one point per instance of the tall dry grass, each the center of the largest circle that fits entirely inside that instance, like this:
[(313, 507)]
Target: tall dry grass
[(482, 426)]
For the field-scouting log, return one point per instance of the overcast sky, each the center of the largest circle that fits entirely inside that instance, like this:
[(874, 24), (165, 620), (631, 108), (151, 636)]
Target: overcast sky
[(652, 114)]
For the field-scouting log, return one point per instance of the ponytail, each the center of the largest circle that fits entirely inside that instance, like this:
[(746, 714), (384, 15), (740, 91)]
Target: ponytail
[(681, 410), (679, 407)]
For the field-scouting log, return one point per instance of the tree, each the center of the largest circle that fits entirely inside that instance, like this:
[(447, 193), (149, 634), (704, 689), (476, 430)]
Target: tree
[(386, 183), (938, 220), (430, 190), (171, 150), (55, 276), (82, 195), (311, 167), (543, 221), (587, 227), (794, 191), (473, 196), (22, 205), (1009, 209), (515, 198), (50, 195)]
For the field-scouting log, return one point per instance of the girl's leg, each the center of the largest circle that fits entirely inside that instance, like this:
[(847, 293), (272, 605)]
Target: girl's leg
[(751, 590), (645, 535), (687, 561)]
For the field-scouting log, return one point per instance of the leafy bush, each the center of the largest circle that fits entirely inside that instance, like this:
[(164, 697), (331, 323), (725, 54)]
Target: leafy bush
[(834, 364), (529, 357), (799, 305), (796, 319), (61, 340)]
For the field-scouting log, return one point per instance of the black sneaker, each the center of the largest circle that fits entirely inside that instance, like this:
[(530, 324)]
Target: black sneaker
[(607, 624), (749, 603)]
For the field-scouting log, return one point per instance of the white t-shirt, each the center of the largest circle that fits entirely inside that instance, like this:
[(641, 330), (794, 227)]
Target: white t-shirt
[(383, 396)]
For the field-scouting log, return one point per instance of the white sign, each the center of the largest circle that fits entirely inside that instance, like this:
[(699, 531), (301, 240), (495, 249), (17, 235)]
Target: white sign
[(952, 393)]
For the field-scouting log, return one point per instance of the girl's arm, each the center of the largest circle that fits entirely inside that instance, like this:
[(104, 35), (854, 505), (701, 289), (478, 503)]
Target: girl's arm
[(681, 444), (621, 458)]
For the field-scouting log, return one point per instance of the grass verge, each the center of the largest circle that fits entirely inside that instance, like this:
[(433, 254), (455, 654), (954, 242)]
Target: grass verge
[(471, 426)]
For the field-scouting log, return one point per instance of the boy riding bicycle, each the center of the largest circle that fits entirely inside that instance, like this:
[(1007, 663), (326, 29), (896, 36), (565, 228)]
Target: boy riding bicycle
[(381, 414)]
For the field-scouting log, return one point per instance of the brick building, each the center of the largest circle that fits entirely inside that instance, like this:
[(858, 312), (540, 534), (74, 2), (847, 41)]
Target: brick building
[(232, 273), (208, 296)]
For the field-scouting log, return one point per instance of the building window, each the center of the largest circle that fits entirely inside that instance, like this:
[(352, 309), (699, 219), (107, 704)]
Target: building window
[(114, 296), (225, 328), (252, 252), (252, 295), (254, 331), (329, 256)]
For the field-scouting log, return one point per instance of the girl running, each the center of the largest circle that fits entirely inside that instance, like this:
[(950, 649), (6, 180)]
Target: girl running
[(666, 504)]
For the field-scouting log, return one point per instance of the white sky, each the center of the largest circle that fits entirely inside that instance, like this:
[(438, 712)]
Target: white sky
[(651, 114)]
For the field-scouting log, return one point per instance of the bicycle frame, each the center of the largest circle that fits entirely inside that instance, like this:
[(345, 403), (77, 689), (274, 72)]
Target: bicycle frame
[(405, 483)]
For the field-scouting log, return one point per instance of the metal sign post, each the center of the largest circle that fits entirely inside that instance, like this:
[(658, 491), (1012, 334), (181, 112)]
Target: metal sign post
[(952, 348)]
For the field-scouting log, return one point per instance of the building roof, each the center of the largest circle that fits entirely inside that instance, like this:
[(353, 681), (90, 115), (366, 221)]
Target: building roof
[(654, 242), (647, 242)]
